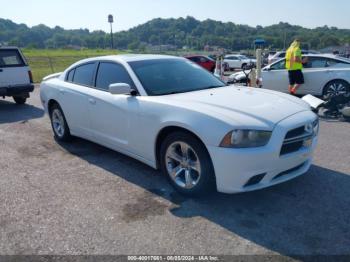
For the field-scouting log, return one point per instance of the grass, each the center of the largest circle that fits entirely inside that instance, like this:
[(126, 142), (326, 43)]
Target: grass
[(44, 62)]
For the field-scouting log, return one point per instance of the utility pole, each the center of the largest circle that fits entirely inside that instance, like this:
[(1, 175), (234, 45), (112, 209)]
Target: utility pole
[(111, 20)]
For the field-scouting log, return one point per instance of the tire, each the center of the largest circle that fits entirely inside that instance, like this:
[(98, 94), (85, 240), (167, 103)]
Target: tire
[(336, 87), (243, 66), (20, 100), (59, 124), (194, 175)]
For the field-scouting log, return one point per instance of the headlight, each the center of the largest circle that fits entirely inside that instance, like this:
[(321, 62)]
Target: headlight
[(246, 138)]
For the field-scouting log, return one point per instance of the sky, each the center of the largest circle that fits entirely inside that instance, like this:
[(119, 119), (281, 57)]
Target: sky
[(92, 14)]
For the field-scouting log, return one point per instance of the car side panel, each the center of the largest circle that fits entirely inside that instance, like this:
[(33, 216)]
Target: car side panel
[(109, 117), (276, 80), (153, 117), (73, 100), (315, 80)]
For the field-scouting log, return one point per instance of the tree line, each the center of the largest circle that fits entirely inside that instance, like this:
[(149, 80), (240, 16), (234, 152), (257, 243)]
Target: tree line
[(182, 32)]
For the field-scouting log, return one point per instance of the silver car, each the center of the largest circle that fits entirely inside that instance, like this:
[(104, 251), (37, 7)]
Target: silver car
[(324, 75), (282, 54)]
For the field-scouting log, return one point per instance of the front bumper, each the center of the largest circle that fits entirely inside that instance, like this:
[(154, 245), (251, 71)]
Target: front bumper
[(16, 90), (236, 169)]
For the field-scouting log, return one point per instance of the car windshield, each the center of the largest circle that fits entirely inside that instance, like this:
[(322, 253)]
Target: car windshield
[(171, 76), (242, 57)]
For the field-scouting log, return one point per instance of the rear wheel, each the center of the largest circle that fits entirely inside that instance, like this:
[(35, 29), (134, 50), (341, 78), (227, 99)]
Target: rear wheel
[(335, 88), (20, 100), (243, 66), (187, 164), (59, 124)]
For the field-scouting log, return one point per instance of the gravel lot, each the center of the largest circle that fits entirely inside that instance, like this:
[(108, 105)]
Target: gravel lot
[(81, 198)]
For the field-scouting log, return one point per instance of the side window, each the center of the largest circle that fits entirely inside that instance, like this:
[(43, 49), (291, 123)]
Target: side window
[(316, 62), (111, 73), (70, 75), (281, 55), (333, 62), (281, 65), (195, 59), (84, 74), (10, 58), (203, 60)]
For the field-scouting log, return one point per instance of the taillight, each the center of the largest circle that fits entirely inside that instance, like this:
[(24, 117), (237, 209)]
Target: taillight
[(30, 76)]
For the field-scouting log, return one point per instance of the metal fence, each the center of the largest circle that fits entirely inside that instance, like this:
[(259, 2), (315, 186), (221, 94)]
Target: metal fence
[(42, 66)]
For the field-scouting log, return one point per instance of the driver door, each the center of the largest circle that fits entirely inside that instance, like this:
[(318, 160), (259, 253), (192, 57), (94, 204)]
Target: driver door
[(110, 114), (275, 77)]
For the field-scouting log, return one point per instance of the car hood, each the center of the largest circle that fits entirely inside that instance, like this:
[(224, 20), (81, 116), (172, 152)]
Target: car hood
[(241, 106)]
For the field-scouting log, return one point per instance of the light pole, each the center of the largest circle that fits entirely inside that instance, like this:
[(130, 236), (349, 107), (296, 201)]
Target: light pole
[(111, 20)]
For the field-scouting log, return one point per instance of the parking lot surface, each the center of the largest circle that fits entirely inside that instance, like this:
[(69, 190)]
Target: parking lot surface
[(81, 198)]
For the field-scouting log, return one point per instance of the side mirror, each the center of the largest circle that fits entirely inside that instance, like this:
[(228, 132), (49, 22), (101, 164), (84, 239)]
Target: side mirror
[(120, 89)]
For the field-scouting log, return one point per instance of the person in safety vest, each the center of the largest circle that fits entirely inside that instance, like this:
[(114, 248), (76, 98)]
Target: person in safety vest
[(294, 65)]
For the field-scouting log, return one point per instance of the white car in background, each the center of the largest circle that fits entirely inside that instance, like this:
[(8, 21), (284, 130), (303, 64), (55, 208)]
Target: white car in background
[(282, 54), (15, 76), (238, 61), (324, 75), (172, 114)]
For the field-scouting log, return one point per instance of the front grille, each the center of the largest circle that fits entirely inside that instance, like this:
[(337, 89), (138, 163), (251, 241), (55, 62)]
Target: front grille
[(295, 132), (292, 147), (294, 140), (287, 172)]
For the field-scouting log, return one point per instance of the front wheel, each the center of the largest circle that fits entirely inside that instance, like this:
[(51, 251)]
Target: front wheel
[(335, 88), (187, 164)]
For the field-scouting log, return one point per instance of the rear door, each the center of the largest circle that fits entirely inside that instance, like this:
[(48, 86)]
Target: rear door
[(316, 75), (13, 68), (74, 98)]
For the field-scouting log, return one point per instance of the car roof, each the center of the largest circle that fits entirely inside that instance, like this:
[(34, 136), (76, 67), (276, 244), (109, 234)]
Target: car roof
[(328, 56), (129, 58), (190, 56)]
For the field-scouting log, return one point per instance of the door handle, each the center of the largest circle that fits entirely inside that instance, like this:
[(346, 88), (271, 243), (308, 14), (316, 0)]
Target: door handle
[(61, 91), (92, 101)]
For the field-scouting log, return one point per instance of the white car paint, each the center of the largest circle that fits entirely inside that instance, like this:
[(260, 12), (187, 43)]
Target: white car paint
[(237, 61), (275, 76), (14, 75), (131, 124)]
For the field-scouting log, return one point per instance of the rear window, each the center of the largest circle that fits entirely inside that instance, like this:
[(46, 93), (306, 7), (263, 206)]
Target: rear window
[(10, 58)]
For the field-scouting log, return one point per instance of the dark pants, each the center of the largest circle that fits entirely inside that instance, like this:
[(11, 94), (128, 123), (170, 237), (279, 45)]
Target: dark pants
[(295, 77)]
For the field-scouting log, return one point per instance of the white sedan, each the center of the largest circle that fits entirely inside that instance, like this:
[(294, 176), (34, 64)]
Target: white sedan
[(173, 115), (238, 61), (324, 75)]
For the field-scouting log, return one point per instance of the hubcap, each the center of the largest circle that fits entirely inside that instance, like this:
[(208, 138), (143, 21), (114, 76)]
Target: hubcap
[(183, 165), (58, 122), (336, 88)]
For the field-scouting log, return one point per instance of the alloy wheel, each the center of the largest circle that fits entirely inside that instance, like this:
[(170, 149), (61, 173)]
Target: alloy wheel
[(58, 122), (336, 88), (183, 165)]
